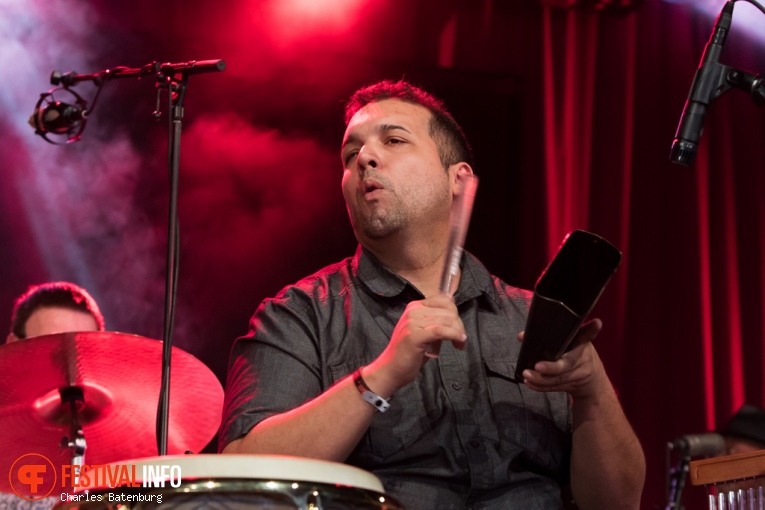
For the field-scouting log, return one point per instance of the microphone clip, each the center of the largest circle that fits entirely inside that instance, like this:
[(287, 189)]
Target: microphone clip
[(53, 117), (753, 84)]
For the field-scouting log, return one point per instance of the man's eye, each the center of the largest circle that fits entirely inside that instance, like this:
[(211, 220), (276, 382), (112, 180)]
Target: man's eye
[(350, 156), (395, 140)]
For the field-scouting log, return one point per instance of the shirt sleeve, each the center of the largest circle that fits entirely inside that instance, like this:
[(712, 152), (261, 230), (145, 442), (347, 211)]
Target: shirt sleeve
[(272, 369)]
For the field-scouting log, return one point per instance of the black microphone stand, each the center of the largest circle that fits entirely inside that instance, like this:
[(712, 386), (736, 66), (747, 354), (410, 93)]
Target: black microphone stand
[(174, 78), (676, 477), (176, 94)]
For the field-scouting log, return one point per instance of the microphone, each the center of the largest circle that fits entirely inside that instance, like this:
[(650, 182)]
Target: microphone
[(58, 118), (708, 444), (709, 83)]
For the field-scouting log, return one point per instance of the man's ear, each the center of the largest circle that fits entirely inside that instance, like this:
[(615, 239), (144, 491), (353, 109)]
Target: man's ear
[(457, 173)]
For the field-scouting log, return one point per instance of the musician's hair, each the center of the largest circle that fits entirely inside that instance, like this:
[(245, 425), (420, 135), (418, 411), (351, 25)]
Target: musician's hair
[(451, 142), (748, 423), (53, 295)]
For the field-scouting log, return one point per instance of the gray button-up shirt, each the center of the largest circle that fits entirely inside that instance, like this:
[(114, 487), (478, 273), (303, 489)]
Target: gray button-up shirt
[(462, 435)]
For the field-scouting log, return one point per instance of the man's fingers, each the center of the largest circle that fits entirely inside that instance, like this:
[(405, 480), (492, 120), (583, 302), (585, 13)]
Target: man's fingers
[(444, 332), (554, 367), (432, 320), (587, 332), (439, 302)]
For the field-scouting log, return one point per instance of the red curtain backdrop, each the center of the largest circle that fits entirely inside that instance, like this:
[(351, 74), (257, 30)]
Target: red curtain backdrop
[(684, 316)]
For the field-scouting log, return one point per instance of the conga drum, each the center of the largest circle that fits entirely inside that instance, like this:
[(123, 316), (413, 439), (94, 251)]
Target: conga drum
[(233, 482)]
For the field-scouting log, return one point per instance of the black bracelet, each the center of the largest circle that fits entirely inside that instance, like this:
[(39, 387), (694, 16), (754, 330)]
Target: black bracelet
[(380, 403)]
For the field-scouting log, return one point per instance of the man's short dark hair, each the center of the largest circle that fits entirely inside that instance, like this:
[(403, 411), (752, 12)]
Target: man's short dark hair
[(53, 295), (451, 142), (748, 423)]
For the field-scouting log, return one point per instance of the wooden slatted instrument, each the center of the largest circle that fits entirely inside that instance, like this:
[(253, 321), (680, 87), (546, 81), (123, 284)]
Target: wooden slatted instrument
[(734, 482)]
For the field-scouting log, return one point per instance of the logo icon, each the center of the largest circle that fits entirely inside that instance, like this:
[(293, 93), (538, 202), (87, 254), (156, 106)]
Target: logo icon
[(32, 477)]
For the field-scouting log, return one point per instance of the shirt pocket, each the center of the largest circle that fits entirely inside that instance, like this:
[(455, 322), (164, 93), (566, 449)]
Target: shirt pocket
[(528, 419), (506, 401), (400, 426)]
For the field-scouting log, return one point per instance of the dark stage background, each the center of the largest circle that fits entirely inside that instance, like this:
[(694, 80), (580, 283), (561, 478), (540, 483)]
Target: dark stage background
[(571, 112)]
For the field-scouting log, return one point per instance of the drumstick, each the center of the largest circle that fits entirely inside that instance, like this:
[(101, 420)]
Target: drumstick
[(458, 226)]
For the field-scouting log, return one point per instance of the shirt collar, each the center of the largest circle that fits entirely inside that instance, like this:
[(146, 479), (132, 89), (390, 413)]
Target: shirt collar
[(475, 281), (378, 278)]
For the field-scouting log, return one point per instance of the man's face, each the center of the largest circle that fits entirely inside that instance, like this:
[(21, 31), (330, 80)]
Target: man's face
[(735, 445), (393, 177), (49, 320)]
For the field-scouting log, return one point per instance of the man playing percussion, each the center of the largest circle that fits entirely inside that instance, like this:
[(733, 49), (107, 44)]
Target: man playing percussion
[(54, 307), (745, 431), (336, 367), (45, 309)]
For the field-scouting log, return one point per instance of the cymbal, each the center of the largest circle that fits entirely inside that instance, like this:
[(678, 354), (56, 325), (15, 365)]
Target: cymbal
[(120, 375)]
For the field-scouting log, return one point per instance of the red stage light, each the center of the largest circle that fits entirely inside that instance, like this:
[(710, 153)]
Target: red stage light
[(309, 17)]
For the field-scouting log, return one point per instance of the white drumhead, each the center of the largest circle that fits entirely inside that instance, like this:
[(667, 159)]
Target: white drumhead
[(253, 467)]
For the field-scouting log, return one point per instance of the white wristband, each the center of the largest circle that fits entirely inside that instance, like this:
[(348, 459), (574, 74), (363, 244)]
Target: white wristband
[(380, 403)]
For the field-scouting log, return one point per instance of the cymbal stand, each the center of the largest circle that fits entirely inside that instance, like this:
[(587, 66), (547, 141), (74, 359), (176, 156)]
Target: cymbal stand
[(75, 442)]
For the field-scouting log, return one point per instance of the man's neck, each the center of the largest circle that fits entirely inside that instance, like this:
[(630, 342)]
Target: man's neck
[(419, 261)]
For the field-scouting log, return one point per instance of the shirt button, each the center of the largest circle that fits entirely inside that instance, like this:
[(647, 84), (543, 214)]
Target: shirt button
[(457, 386), (474, 443)]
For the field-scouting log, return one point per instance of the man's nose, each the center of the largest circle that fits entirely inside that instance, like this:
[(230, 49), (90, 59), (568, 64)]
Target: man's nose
[(367, 158)]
